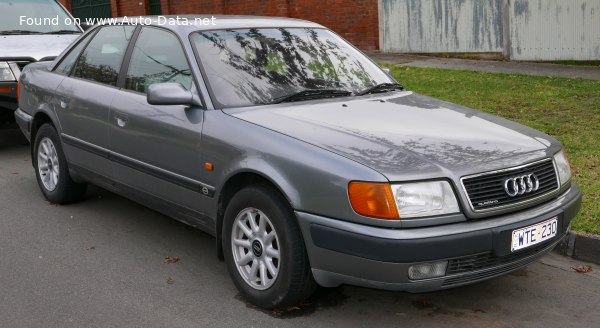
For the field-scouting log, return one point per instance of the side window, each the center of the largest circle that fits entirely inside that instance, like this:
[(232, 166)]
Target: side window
[(101, 60), (157, 58), (66, 65)]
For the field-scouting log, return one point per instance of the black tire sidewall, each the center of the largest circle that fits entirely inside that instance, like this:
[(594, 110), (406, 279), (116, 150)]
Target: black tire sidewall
[(288, 233)]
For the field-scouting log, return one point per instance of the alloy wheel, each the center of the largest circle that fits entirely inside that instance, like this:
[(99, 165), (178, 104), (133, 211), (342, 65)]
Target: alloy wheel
[(47, 163), (255, 247)]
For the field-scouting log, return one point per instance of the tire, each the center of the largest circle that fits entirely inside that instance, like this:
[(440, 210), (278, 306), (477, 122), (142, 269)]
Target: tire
[(275, 232), (51, 169)]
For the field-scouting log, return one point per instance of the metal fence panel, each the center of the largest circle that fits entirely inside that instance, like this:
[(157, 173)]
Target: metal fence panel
[(441, 25), (91, 8), (555, 29), (155, 7)]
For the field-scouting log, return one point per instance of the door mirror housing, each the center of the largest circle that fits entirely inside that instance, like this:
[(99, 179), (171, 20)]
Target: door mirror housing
[(169, 94), (387, 71)]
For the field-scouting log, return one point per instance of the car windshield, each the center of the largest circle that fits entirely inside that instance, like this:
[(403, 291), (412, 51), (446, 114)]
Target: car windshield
[(18, 17), (263, 65)]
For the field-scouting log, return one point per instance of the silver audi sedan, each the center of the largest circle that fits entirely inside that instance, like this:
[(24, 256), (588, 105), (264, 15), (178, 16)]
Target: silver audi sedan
[(308, 162)]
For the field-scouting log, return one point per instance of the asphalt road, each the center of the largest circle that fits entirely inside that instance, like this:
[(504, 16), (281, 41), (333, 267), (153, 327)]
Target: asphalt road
[(99, 263)]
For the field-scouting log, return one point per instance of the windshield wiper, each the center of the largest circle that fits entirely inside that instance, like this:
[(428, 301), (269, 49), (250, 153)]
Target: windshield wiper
[(383, 87), (311, 94), (18, 32), (63, 32)]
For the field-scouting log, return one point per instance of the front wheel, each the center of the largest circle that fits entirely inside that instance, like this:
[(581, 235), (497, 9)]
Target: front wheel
[(264, 249)]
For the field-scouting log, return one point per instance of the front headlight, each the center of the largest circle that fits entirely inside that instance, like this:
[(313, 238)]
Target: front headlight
[(402, 201), (6, 73), (563, 168), (424, 199)]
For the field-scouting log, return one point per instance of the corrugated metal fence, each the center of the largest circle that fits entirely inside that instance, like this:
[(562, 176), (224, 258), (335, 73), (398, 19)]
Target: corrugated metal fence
[(521, 29), (555, 29)]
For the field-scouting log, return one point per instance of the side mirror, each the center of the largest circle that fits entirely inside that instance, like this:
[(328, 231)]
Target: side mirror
[(386, 71), (168, 94)]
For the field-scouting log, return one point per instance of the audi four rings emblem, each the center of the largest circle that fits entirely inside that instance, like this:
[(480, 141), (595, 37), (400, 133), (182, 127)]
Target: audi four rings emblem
[(521, 185)]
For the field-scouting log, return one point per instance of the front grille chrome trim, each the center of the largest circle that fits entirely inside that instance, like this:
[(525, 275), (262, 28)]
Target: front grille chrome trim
[(519, 204)]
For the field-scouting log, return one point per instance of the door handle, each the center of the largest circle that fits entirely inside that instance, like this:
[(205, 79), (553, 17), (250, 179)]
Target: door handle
[(121, 119), (121, 122), (64, 104)]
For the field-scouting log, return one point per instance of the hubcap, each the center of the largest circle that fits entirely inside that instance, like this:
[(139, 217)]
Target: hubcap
[(255, 248), (47, 163)]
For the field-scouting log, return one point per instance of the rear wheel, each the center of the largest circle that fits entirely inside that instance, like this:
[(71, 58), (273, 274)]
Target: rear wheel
[(264, 249), (51, 168)]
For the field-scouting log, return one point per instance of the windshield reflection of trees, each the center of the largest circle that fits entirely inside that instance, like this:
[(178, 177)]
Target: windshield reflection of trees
[(261, 65)]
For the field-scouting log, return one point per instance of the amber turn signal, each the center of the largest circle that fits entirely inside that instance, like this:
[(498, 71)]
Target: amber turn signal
[(373, 199)]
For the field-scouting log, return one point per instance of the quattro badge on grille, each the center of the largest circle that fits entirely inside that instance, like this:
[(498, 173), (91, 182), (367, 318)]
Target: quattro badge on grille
[(521, 185)]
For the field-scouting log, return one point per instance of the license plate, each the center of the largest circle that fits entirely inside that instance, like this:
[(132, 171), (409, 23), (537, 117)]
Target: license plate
[(535, 234)]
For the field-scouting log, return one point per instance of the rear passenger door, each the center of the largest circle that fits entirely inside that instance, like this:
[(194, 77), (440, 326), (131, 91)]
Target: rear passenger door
[(84, 97), (157, 148)]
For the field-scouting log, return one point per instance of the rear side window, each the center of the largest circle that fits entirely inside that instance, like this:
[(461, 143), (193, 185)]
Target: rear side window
[(66, 65), (157, 58), (101, 60)]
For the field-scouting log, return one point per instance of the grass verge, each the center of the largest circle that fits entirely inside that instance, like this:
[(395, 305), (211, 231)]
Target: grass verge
[(567, 109)]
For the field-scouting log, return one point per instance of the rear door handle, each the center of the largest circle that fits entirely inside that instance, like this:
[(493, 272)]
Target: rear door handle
[(121, 122), (121, 119)]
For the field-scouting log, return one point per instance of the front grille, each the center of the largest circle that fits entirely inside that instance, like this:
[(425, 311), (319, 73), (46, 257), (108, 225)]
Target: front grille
[(486, 191), (482, 266), (468, 278), (486, 260)]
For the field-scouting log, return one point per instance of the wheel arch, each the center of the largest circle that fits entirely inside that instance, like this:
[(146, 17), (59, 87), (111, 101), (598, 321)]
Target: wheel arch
[(40, 118), (234, 183)]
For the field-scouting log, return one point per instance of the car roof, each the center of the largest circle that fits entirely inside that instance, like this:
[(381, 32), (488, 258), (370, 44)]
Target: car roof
[(197, 22)]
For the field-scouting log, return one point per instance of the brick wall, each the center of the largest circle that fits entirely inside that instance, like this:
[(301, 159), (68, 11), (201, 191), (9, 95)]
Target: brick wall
[(129, 7), (355, 20), (66, 3)]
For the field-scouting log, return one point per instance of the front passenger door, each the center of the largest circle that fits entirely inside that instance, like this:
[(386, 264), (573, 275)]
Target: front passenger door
[(157, 148)]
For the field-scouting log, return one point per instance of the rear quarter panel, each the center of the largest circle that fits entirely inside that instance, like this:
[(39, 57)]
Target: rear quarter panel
[(37, 90)]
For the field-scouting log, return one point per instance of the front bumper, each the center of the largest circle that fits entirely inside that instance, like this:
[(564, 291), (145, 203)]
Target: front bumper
[(348, 253)]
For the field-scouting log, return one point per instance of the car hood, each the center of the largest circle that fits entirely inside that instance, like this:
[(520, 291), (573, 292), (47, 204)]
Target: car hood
[(406, 135), (34, 46)]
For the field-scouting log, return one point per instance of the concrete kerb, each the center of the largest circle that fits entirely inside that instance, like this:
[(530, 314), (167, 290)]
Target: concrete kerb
[(585, 247)]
